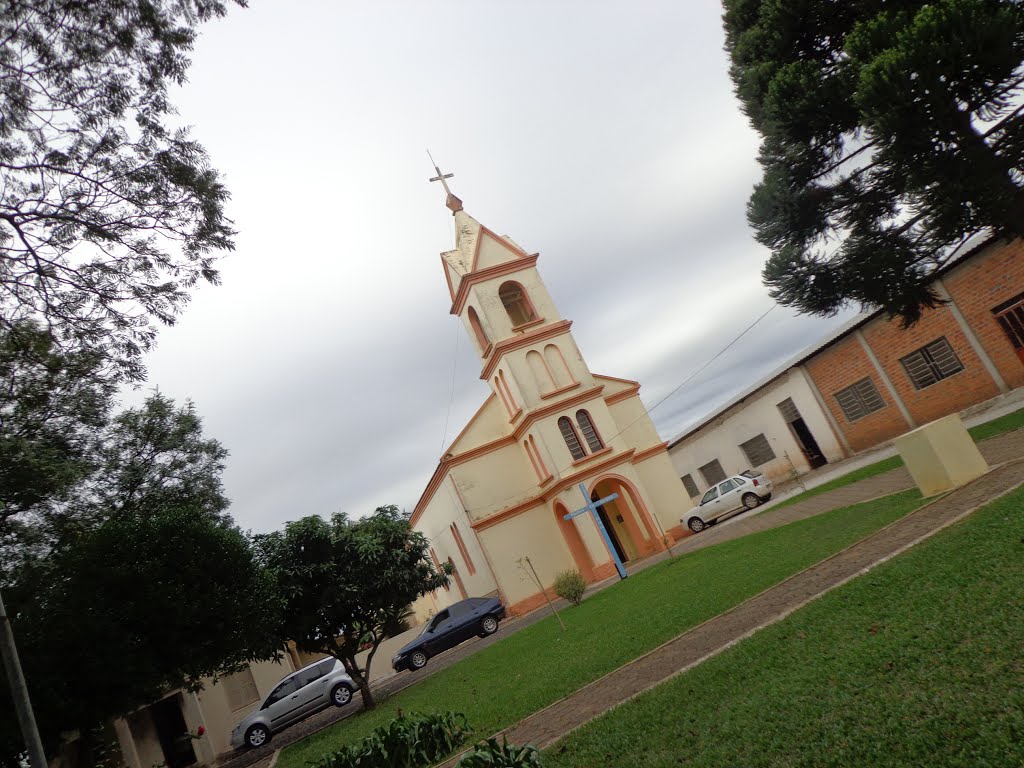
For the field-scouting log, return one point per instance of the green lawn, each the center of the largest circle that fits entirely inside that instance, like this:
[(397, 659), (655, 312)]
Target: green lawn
[(917, 663), (539, 664), (1003, 424)]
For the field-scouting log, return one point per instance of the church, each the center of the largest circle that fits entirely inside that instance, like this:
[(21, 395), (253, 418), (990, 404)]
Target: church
[(495, 505)]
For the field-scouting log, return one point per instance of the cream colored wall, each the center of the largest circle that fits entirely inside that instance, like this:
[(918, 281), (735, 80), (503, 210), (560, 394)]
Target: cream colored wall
[(494, 481), (530, 390), (218, 716), (758, 415), (532, 534), (490, 423), (145, 742), (666, 497), (630, 416)]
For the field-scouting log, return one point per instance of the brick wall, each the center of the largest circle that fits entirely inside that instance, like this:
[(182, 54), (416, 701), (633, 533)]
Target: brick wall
[(890, 342), (837, 367), (984, 282)]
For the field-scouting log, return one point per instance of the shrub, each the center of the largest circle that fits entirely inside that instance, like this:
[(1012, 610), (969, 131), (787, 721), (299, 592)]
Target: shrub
[(570, 585), (408, 741), (491, 754)]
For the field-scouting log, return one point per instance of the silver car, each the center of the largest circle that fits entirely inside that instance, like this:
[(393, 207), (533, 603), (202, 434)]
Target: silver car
[(744, 491), (297, 696)]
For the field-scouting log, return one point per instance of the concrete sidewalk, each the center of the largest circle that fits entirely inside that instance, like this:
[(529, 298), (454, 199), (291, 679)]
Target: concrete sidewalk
[(550, 724)]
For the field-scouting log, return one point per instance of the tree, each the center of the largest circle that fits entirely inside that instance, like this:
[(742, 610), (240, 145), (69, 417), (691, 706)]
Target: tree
[(892, 134), (108, 213), (149, 601), (53, 407), (342, 581), (135, 570)]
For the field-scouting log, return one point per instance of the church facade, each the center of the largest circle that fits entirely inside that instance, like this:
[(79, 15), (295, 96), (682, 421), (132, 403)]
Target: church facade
[(499, 496)]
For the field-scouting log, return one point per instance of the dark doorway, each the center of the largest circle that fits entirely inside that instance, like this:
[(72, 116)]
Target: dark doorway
[(808, 444), (611, 531), (172, 732)]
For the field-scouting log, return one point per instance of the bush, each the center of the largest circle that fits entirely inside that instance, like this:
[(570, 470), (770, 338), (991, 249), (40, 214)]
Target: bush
[(570, 585), (408, 741), (490, 754)]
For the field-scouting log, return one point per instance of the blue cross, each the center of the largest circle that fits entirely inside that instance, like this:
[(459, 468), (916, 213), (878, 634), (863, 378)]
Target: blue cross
[(592, 508)]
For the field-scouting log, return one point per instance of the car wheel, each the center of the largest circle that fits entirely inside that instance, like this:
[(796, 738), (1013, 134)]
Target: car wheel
[(341, 695), (696, 525), (751, 500), (418, 660), (257, 735), (488, 626)]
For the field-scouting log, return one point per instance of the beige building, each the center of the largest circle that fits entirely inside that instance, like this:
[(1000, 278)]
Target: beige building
[(186, 728), (501, 491)]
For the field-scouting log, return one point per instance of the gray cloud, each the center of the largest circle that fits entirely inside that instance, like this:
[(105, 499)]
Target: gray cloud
[(605, 136)]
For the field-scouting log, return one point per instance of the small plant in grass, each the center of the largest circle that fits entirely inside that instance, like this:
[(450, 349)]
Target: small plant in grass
[(408, 741), (570, 586), (491, 754)]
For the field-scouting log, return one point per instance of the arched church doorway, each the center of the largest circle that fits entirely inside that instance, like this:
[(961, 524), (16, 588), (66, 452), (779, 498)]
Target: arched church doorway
[(573, 540), (626, 519), (614, 527)]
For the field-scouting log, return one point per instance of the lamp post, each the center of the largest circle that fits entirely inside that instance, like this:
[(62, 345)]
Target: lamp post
[(19, 692)]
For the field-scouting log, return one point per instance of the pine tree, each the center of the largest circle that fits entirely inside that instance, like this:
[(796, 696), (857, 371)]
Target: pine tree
[(891, 134)]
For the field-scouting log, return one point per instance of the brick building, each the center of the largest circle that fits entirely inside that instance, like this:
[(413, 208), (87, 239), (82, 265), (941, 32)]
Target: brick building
[(873, 380)]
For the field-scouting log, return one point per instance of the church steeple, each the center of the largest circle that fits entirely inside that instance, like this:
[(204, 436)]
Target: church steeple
[(526, 349)]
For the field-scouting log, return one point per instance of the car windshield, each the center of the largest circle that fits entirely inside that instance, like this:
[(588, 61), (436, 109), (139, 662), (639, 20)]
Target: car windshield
[(751, 473)]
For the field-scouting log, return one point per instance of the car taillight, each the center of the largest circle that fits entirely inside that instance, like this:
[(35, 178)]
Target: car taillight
[(755, 482)]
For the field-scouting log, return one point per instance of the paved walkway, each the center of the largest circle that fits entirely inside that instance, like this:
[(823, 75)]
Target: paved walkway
[(550, 724)]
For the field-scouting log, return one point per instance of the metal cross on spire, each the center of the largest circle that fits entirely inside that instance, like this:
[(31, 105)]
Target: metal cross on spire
[(453, 203)]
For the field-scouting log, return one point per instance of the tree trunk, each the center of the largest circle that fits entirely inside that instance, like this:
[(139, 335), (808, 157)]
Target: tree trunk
[(360, 677)]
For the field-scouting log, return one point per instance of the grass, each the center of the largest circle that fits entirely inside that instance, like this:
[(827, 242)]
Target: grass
[(1007, 423), (915, 663), (999, 426), (539, 664)]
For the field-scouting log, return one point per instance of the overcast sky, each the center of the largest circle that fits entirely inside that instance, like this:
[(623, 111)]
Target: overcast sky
[(603, 135)]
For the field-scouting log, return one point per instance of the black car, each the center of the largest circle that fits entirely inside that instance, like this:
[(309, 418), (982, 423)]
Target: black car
[(458, 622)]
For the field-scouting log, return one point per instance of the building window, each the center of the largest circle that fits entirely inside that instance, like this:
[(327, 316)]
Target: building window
[(712, 472), (789, 411), (859, 399), (241, 689), (478, 331), (589, 432), (931, 363), (758, 450), (689, 485), (518, 306), (1010, 316), (572, 440)]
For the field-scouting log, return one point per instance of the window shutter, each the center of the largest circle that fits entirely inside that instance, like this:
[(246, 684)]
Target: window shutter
[(571, 440), (712, 472), (689, 485), (758, 450)]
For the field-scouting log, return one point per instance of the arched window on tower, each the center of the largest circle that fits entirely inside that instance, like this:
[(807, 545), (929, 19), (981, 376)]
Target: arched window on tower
[(556, 364), (589, 431), (478, 330), (517, 303), (572, 440), (540, 371)]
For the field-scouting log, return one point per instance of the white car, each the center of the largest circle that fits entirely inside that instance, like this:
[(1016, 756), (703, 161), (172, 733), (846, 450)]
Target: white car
[(744, 491), (297, 696)]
